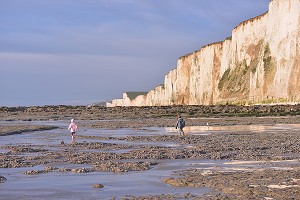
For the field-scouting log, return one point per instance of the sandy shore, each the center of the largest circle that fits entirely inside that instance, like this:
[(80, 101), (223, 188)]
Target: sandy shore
[(242, 145)]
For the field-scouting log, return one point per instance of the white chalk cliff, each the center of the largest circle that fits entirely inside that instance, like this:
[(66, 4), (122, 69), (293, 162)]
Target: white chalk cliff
[(259, 64)]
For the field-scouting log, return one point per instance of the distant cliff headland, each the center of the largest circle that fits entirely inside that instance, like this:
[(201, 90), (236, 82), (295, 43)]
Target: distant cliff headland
[(259, 64)]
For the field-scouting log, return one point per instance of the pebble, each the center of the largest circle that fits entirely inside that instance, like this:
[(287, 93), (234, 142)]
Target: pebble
[(98, 185)]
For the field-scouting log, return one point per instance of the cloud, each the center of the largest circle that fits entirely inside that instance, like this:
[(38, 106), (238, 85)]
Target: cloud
[(87, 28)]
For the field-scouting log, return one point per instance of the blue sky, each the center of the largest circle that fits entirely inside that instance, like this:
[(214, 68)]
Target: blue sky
[(84, 51)]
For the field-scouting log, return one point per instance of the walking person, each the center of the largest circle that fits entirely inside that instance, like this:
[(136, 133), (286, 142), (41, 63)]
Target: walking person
[(73, 128), (180, 125)]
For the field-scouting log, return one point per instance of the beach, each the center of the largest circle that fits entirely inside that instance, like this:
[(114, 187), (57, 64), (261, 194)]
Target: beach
[(228, 152)]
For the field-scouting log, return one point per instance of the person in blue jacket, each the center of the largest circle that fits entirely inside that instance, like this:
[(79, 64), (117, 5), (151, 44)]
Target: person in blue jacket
[(180, 125)]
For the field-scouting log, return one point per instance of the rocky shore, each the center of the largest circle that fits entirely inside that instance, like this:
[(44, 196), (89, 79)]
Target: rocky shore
[(62, 112), (113, 156)]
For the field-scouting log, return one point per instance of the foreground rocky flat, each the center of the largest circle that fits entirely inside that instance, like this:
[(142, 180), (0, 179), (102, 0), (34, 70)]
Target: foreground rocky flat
[(243, 145)]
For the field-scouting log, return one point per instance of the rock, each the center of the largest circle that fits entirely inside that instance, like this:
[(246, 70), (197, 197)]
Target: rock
[(2, 179), (82, 170), (173, 182), (119, 167), (98, 185), (32, 172)]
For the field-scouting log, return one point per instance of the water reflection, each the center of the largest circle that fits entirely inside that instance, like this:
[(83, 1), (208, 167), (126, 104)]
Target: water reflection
[(204, 130)]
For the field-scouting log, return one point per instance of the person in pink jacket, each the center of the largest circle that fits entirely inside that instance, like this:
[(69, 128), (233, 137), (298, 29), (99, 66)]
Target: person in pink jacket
[(73, 128)]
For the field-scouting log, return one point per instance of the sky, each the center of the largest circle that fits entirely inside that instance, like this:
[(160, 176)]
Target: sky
[(78, 52)]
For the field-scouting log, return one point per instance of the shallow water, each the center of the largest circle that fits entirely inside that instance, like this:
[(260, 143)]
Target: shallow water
[(79, 186), (206, 130), (69, 185)]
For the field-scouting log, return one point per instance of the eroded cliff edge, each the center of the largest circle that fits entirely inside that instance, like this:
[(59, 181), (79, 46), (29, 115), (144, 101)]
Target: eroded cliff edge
[(259, 64)]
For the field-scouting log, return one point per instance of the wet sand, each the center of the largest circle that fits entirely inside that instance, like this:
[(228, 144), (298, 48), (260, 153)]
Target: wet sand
[(267, 140)]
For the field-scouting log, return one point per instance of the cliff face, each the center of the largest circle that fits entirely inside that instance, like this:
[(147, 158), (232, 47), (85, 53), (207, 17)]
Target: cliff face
[(259, 64)]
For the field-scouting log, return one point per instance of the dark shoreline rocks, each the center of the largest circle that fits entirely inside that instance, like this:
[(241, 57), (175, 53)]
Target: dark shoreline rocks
[(63, 112)]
